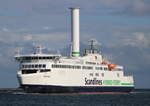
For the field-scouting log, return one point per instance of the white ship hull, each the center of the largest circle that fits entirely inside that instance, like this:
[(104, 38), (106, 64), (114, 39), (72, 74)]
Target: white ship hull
[(76, 81)]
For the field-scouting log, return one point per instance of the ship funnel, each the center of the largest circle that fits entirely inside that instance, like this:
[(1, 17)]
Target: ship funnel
[(75, 31)]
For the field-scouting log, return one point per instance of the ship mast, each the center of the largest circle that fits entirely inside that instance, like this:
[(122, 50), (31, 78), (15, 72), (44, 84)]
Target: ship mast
[(39, 49), (92, 44)]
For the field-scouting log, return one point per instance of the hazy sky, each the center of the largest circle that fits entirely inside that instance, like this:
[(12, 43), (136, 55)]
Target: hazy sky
[(122, 27)]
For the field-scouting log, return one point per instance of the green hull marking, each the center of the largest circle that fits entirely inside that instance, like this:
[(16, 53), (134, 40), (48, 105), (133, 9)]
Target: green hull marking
[(111, 82), (75, 52), (127, 84), (115, 82)]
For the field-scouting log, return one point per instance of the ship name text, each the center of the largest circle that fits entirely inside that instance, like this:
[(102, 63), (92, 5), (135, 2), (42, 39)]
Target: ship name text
[(93, 81)]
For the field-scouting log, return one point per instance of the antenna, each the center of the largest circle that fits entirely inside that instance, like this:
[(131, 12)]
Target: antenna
[(58, 51), (17, 51), (39, 49), (92, 50), (93, 43)]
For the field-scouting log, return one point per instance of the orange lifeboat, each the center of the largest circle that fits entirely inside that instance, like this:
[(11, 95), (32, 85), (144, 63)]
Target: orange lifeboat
[(111, 66)]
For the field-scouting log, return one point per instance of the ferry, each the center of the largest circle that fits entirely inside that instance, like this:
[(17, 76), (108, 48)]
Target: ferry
[(53, 73)]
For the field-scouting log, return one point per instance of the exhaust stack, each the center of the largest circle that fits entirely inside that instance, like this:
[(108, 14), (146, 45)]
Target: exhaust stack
[(75, 32)]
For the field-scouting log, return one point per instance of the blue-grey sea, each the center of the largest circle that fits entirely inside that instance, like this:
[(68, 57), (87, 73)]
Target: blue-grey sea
[(16, 98)]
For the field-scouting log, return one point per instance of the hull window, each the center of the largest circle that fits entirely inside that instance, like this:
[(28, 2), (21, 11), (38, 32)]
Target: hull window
[(29, 71), (45, 70)]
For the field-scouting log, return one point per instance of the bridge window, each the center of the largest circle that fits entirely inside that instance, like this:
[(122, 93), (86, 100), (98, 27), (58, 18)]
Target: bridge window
[(34, 66), (44, 66), (29, 58), (40, 65)]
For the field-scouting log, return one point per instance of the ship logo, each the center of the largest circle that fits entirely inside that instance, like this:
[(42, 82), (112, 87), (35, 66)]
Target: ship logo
[(93, 81)]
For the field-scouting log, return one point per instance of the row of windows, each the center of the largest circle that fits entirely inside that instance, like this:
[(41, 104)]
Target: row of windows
[(102, 74), (106, 69), (87, 67), (34, 66), (35, 58), (72, 67), (34, 71), (83, 67), (96, 74), (92, 63), (101, 68), (98, 68), (45, 70), (66, 66)]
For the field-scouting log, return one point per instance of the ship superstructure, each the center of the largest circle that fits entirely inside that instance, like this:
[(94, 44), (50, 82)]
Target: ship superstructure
[(39, 72)]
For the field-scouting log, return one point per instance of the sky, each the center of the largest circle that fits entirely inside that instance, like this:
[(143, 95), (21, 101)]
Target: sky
[(121, 26)]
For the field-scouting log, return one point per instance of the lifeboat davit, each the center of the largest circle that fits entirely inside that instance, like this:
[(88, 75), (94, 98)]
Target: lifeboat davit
[(112, 66), (104, 62)]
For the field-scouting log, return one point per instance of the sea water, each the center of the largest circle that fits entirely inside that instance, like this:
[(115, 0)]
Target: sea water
[(14, 98)]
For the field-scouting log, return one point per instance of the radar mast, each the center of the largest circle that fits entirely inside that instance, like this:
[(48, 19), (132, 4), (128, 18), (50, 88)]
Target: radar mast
[(39, 49), (92, 47)]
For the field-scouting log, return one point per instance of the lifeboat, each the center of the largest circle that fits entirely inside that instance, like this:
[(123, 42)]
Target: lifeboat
[(112, 66)]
